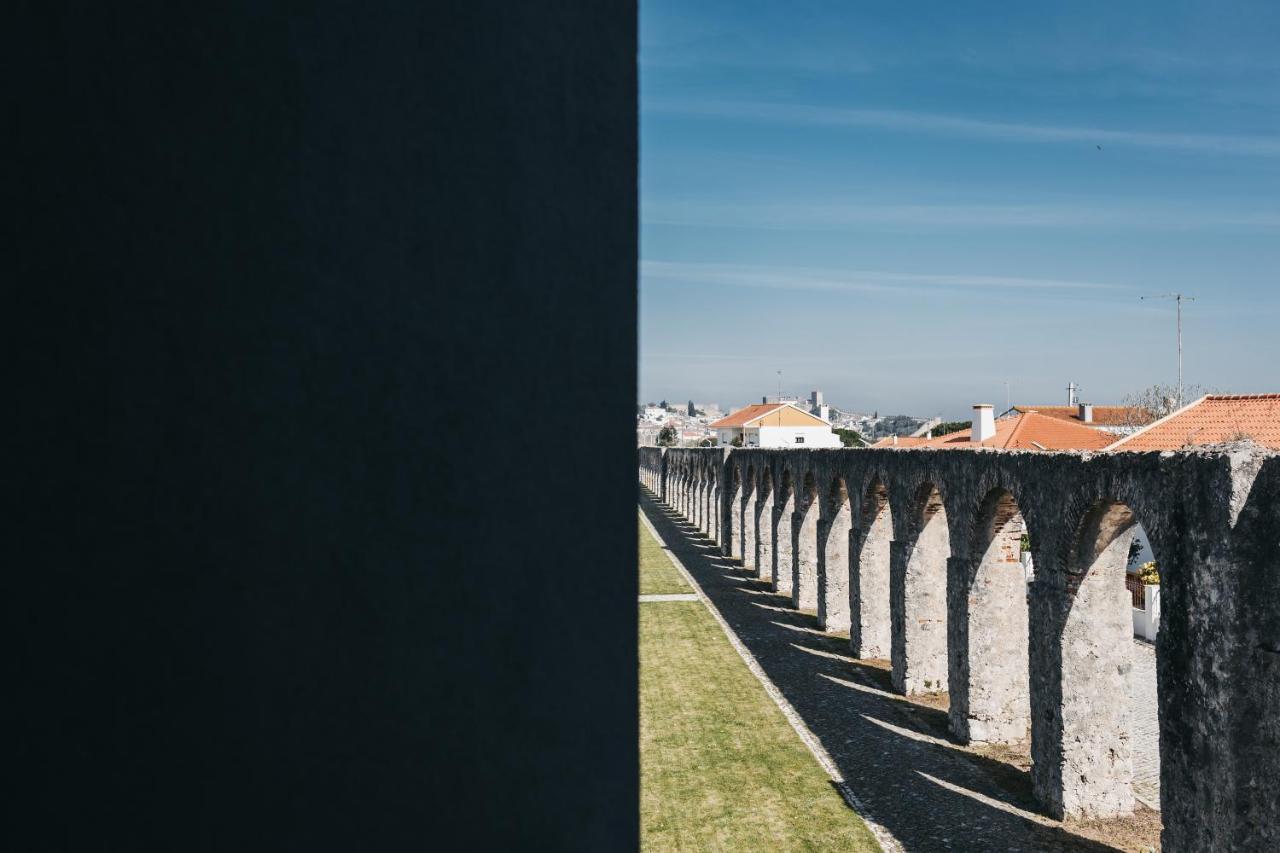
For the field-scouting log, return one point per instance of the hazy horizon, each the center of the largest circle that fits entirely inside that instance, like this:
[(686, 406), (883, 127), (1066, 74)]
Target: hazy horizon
[(907, 207)]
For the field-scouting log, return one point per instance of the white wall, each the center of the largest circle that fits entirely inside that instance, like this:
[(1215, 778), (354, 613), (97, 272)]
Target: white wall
[(785, 436), (1146, 622), (725, 437)]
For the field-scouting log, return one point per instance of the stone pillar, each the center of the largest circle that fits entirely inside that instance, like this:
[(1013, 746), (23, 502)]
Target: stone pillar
[(733, 545), (714, 512), (763, 523), (747, 528), (1219, 668), (833, 571), (782, 542), (870, 634), (804, 576), (988, 677), (1080, 684), (919, 607)]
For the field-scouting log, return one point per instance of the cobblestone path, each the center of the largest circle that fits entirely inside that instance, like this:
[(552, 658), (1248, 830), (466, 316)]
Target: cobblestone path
[(1146, 724)]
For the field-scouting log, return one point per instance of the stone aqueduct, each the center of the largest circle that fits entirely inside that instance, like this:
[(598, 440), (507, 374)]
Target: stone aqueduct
[(916, 554)]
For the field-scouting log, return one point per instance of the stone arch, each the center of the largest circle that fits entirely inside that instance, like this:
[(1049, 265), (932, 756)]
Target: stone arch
[(835, 527), (804, 573), (1096, 654), (784, 506), (989, 675), (870, 634), (762, 523), (919, 595)]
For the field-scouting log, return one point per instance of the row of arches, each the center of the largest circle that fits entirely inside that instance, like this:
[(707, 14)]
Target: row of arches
[(950, 606)]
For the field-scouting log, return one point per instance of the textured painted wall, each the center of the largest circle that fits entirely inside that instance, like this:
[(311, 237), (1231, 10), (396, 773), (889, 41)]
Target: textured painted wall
[(277, 589)]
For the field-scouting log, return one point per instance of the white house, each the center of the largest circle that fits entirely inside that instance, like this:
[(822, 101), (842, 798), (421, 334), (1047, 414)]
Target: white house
[(775, 425)]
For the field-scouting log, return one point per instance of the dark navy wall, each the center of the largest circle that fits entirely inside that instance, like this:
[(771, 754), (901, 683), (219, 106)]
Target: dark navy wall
[(303, 296)]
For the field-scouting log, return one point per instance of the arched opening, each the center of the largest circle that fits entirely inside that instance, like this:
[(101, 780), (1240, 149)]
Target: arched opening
[(920, 598), (989, 678), (870, 629), (783, 512), (1110, 712), (746, 518), (804, 591), (833, 559), (762, 523)]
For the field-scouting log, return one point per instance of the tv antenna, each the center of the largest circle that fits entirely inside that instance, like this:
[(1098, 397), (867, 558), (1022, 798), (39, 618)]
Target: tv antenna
[(1179, 298), (779, 386)]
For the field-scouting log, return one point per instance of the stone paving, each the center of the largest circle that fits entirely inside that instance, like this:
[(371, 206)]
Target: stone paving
[(1145, 724), (896, 756)]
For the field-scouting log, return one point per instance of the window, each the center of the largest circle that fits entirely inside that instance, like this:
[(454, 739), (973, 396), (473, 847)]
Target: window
[(799, 439)]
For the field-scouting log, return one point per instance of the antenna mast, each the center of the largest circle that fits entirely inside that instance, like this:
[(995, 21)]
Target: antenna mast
[(1178, 298)]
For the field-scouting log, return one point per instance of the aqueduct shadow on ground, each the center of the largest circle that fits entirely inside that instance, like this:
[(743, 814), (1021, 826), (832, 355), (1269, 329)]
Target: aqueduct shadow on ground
[(895, 755)]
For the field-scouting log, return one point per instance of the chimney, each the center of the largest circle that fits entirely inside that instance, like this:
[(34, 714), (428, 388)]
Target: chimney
[(984, 423), (764, 400), (1072, 388), (1086, 412), (895, 440)]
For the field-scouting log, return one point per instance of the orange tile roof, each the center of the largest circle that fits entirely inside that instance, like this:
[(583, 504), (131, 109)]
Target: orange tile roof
[(1102, 415), (742, 416), (902, 441), (1211, 420), (1031, 431)]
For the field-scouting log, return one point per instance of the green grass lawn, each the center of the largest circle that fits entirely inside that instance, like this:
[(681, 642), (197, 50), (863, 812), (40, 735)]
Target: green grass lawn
[(657, 575), (721, 769)]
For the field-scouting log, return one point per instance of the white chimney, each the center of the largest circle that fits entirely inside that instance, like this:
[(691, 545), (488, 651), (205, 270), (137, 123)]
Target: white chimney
[(984, 423), (1086, 412)]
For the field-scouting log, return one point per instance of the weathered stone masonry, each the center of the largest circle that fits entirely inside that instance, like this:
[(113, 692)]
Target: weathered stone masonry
[(916, 553)]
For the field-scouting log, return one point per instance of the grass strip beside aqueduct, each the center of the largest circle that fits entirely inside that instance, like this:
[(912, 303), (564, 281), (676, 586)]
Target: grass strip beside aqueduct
[(721, 769)]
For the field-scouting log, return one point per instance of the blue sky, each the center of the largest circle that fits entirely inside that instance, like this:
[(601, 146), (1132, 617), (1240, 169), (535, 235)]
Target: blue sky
[(906, 205)]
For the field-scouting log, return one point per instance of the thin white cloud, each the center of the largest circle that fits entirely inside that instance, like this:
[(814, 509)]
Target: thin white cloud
[(819, 216), (811, 278), (944, 125)]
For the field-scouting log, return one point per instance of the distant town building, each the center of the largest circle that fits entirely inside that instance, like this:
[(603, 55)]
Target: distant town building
[(903, 441), (1025, 431), (775, 425), (1120, 420), (1213, 419)]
